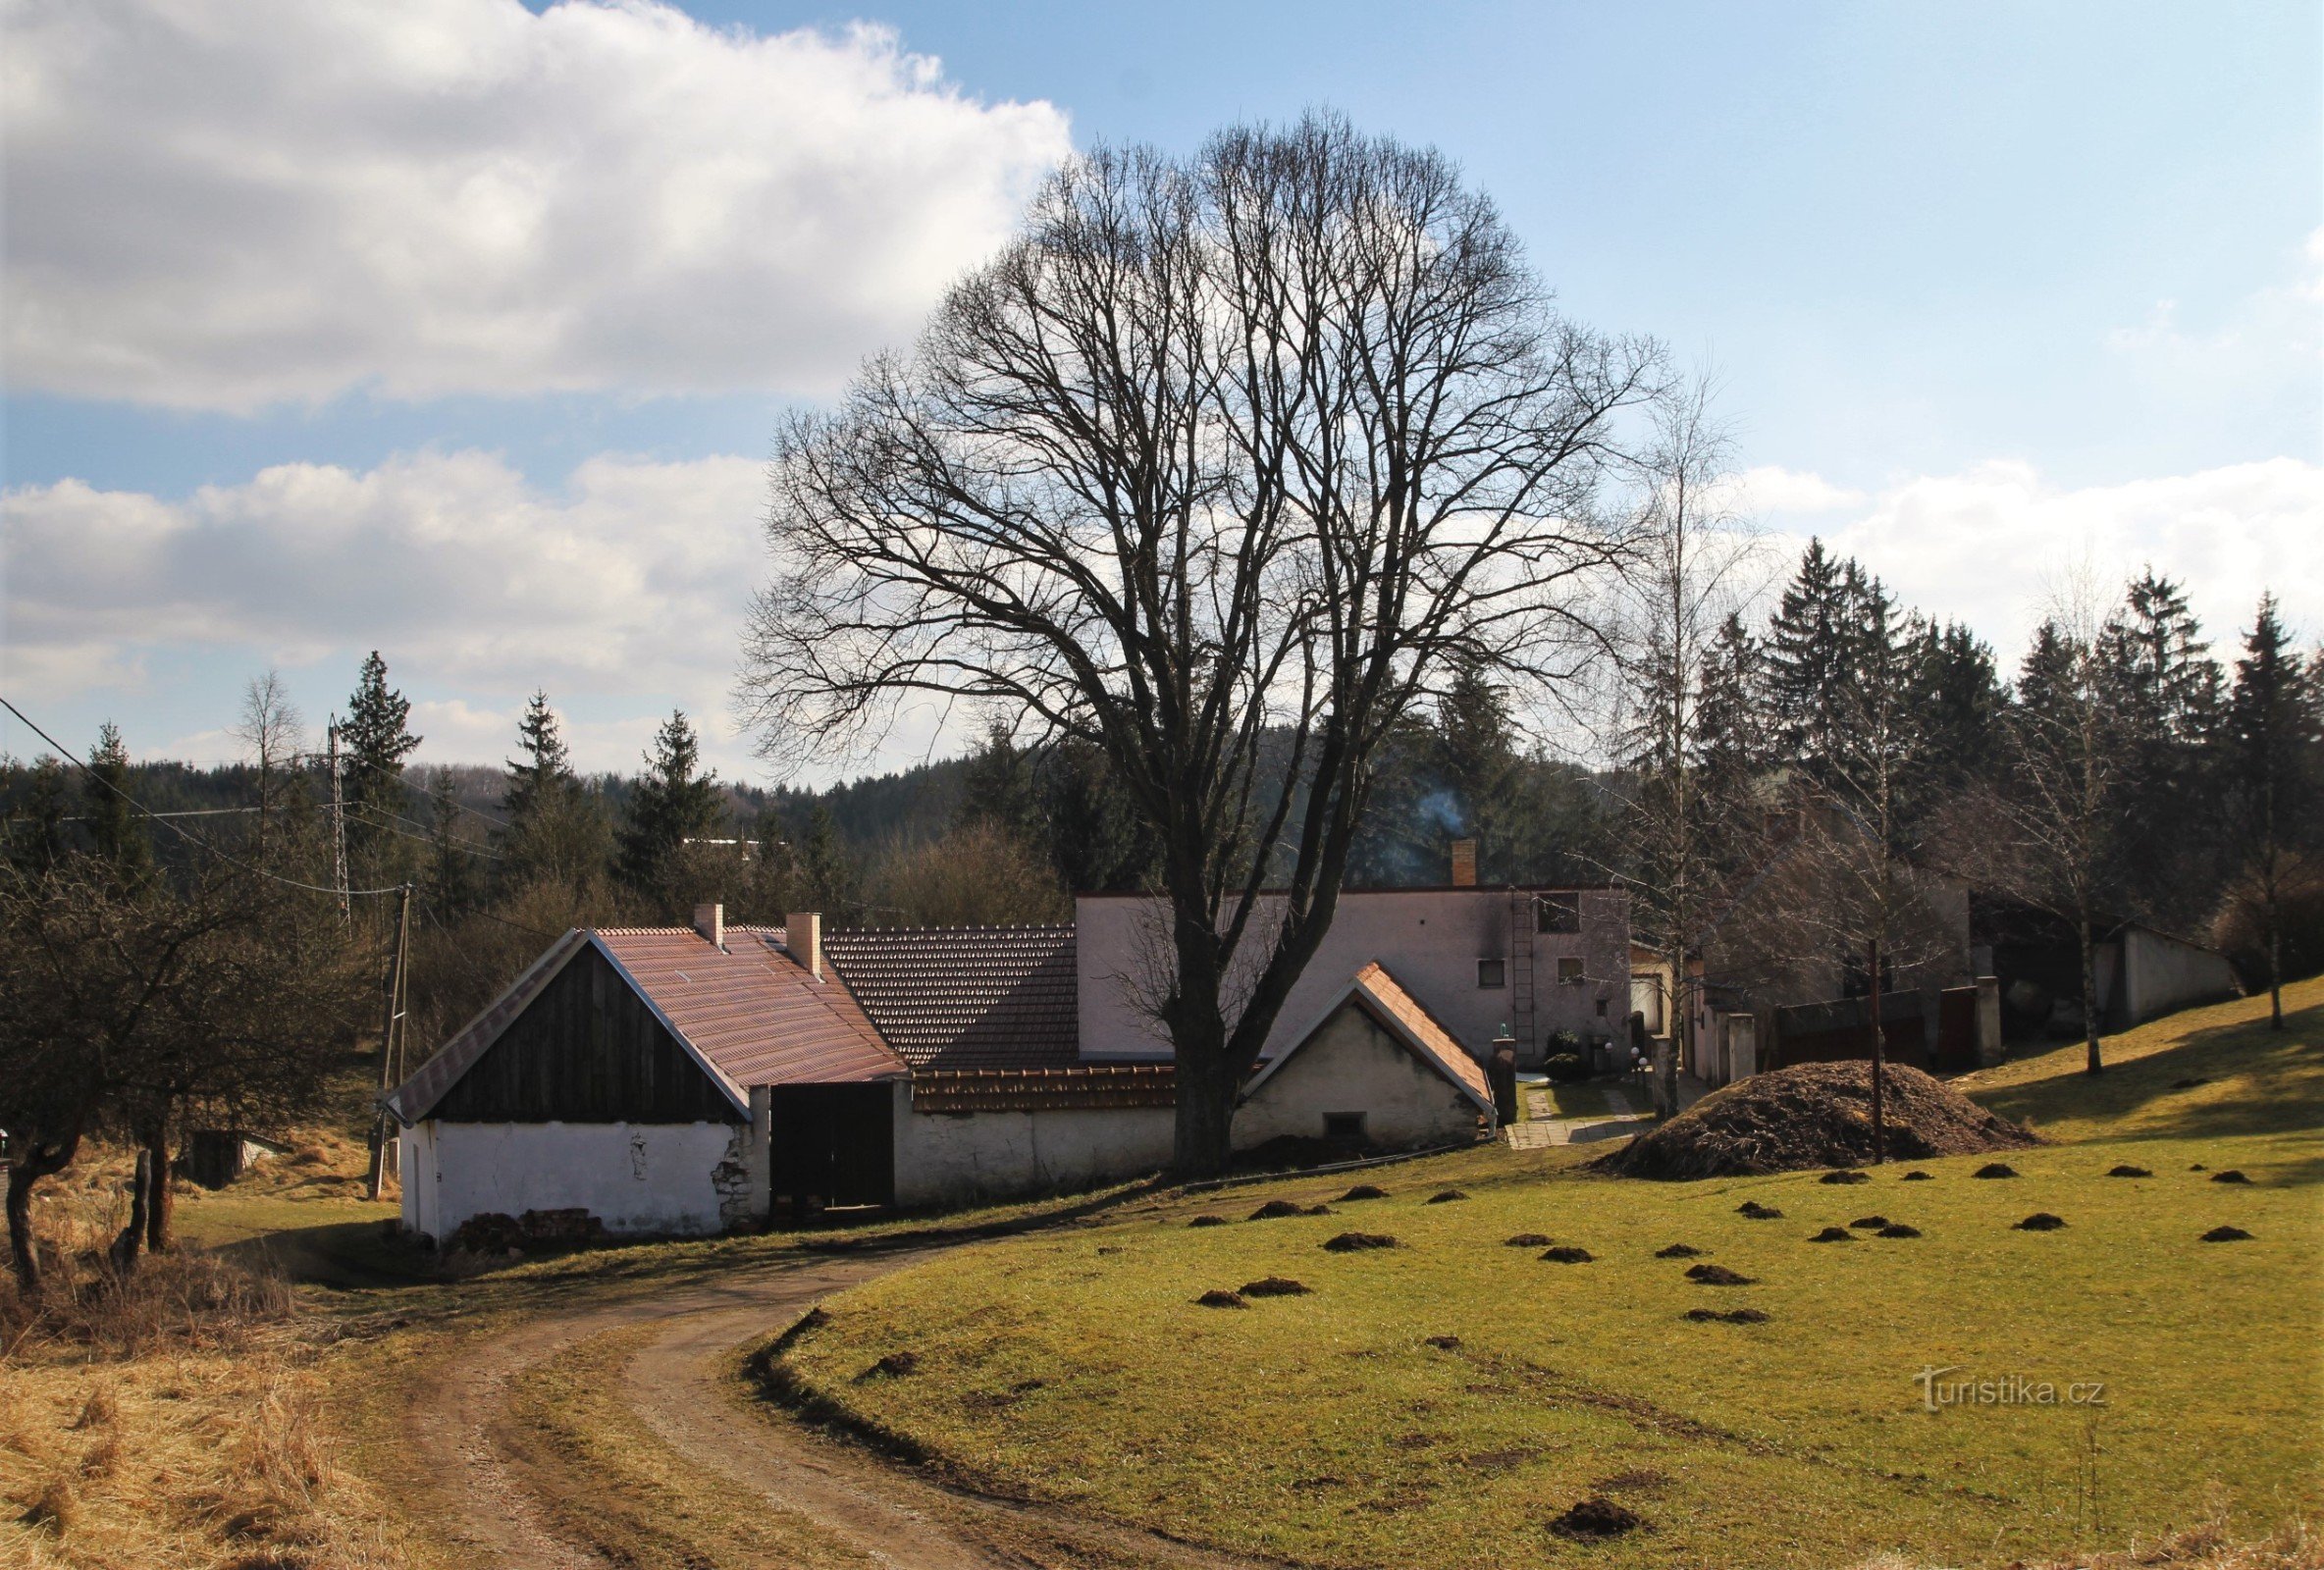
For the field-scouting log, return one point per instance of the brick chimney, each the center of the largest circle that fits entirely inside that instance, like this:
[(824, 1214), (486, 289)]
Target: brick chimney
[(711, 921), (1464, 863), (802, 935)]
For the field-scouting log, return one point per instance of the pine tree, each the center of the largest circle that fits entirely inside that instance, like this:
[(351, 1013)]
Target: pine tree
[(2274, 725), (670, 806), (374, 741), (116, 829)]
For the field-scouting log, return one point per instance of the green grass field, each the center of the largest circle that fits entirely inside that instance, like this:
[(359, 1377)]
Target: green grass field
[(1329, 1429)]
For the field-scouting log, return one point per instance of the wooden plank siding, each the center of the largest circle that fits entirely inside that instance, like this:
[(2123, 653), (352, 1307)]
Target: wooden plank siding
[(586, 1050)]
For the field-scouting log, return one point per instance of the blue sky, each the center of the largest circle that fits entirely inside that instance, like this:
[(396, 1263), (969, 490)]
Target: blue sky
[(460, 331)]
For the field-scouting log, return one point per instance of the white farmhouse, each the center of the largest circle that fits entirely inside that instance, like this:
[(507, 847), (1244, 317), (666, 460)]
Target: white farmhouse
[(697, 1079)]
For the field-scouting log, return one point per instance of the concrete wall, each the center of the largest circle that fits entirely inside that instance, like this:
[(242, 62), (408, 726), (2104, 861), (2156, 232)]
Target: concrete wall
[(637, 1179), (954, 1158), (2160, 973), (1353, 1064), (1429, 939)]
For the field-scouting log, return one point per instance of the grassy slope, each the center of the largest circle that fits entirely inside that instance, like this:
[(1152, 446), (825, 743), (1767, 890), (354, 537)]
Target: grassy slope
[(1324, 1427)]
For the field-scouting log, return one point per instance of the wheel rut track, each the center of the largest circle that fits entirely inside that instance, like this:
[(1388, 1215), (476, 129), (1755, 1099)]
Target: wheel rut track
[(477, 1474)]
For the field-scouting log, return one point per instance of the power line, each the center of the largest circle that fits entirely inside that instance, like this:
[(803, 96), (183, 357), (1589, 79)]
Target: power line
[(185, 834)]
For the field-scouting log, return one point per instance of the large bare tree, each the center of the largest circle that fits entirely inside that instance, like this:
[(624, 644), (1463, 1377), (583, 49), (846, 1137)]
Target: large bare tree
[(1216, 468)]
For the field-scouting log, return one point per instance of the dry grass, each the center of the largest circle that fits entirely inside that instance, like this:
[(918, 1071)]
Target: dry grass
[(194, 1461), (183, 1300), (169, 1419), (2210, 1545)]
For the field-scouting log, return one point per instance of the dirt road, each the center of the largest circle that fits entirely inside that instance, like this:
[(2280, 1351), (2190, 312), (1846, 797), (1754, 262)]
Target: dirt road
[(517, 1504)]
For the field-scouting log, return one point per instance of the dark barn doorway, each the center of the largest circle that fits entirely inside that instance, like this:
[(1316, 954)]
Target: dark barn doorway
[(832, 1146)]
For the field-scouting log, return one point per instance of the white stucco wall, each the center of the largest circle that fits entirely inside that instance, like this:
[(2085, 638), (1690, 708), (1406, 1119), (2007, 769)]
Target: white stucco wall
[(954, 1158), (637, 1179), (1353, 1064), (2160, 973), (1429, 939)]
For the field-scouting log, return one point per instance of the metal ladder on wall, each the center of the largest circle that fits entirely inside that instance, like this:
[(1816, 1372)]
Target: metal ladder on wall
[(1523, 923)]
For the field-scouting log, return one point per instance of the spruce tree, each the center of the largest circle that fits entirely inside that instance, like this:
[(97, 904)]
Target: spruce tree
[(997, 787), (117, 830), (1955, 701), (1477, 760), (2168, 695), (539, 779), (670, 806), (1731, 744), (2273, 726), (1097, 839), (554, 825), (451, 874), (823, 874), (1809, 658), (374, 741)]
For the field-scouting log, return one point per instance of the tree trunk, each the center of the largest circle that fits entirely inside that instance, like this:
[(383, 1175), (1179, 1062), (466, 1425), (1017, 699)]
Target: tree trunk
[(1202, 1144), (1879, 1066), (23, 1172), (2275, 961), (123, 1253), (159, 1210), (2090, 998)]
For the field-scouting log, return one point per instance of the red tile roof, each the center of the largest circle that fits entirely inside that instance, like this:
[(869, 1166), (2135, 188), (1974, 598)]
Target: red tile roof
[(757, 1016), (1379, 991), (1139, 1084), (747, 1014), (994, 997)]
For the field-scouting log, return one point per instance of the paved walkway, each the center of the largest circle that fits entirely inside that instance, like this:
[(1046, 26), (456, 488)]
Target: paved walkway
[(1630, 1097)]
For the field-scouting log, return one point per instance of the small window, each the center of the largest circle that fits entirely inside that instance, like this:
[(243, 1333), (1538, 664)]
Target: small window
[(1557, 912), (1493, 973), (1344, 1127), (1569, 970)]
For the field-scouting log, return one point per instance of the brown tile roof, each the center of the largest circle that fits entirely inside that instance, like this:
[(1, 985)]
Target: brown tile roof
[(1376, 992), (747, 1014), (993, 997), (1127, 1084)]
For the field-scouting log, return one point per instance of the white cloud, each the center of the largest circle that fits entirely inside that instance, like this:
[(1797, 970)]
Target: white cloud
[(629, 588), (1990, 546), (1772, 488), (225, 203)]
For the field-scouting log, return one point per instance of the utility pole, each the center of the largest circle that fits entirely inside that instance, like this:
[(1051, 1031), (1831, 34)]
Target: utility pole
[(339, 838), (391, 1041)]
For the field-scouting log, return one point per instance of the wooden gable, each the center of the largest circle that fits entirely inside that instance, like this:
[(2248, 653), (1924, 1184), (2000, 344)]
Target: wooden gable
[(588, 1049)]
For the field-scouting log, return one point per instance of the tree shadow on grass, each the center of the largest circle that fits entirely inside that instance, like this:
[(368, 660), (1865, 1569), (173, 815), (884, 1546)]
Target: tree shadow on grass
[(2251, 1080)]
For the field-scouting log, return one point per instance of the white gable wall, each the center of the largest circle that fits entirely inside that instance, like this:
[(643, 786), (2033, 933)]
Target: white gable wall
[(636, 1179), (2160, 973), (1353, 1064)]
